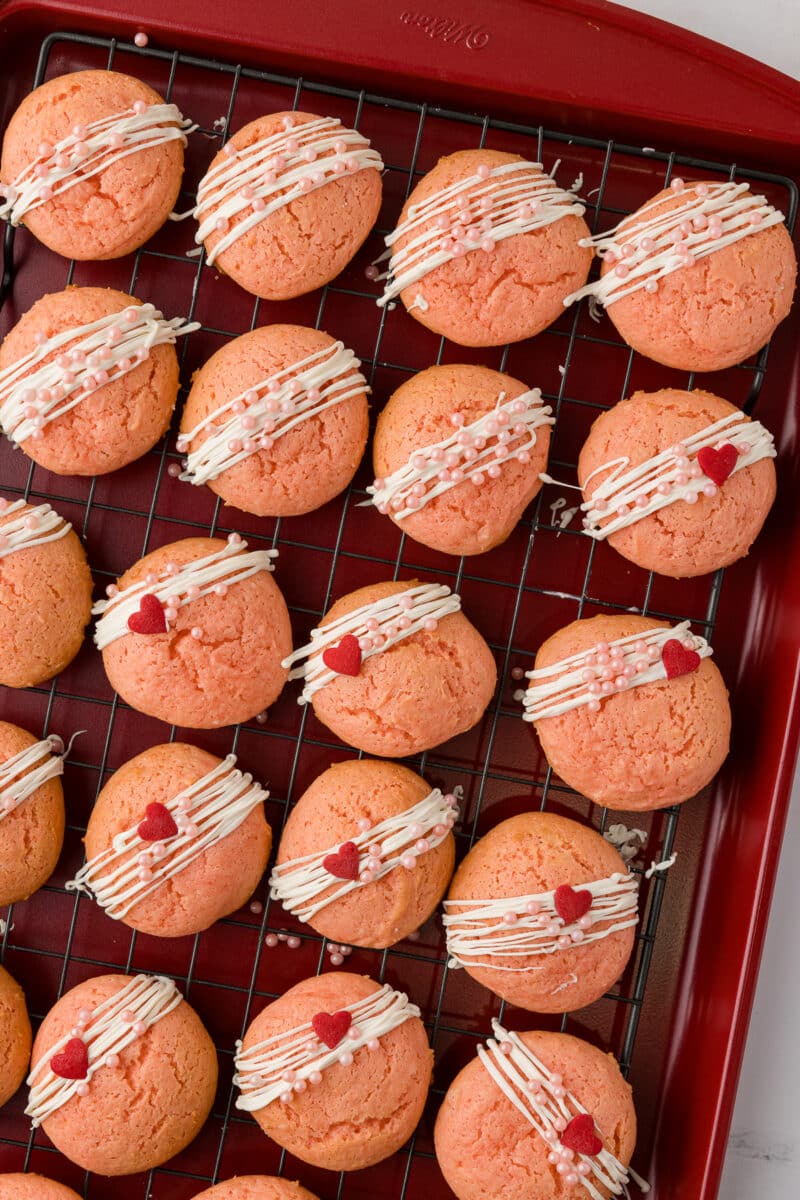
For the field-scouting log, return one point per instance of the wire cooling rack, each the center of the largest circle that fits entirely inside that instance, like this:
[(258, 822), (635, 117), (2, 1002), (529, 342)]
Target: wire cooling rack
[(543, 577)]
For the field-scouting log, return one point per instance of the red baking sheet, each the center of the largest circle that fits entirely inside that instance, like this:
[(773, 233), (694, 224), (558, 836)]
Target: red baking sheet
[(588, 72)]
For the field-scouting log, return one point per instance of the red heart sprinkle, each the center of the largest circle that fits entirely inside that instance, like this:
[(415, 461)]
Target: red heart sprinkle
[(678, 660), (581, 1137), (150, 617), (344, 864), (717, 464), (157, 825), (72, 1062), (572, 905), (344, 659), (330, 1028)]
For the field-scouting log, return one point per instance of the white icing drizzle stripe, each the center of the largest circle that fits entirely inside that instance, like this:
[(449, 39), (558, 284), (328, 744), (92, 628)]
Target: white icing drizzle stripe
[(277, 183), (614, 906), (299, 882), (115, 344), (228, 566), (259, 1069), (528, 1084), (728, 208), (485, 443), (213, 807), (23, 773), (107, 141), (505, 206), (421, 603), (148, 998), (272, 408), (564, 688), (622, 488), (17, 535)]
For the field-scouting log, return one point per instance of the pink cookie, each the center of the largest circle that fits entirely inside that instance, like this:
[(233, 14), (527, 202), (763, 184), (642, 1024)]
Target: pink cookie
[(487, 1146), (34, 1187), (256, 1187), (698, 278), (396, 668), (73, 169), (690, 510), (486, 248), (45, 593), (195, 632), (123, 1075), (327, 872), (362, 1068), (31, 811), (458, 451), (276, 421), (177, 839), (88, 380), (15, 1040), (287, 203)]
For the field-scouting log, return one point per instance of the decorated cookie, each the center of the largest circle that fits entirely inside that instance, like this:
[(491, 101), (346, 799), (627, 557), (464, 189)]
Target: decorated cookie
[(287, 202), (691, 458), (629, 711), (336, 1070), (542, 911), (88, 380), (396, 668), (34, 1187), (194, 633), (366, 853), (256, 1187), (537, 1114), (15, 1040), (486, 248), (45, 593), (92, 164), (457, 453), (31, 811), (698, 278), (123, 1075), (276, 421), (177, 839)]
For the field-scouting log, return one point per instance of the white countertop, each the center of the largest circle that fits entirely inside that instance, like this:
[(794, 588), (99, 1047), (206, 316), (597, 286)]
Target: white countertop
[(763, 1160)]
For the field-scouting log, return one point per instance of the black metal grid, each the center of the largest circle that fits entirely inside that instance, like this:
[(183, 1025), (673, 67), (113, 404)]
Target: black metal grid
[(574, 338)]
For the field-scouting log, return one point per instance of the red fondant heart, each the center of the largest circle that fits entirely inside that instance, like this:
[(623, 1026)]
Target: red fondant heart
[(344, 659), (571, 905), (717, 464), (72, 1062), (157, 825), (344, 863), (678, 660), (330, 1028), (150, 617), (581, 1137)]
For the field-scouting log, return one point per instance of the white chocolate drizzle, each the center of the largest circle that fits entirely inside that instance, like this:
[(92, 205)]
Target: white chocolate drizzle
[(582, 679), (654, 242), (472, 214), (473, 452), (24, 773), (250, 184), (299, 883), (101, 143), (207, 811), (628, 494), (33, 392), (516, 927), (185, 584), (255, 418), (298, 1053), (549, 1107), (34, 526), (146, 999), (382, 624)]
